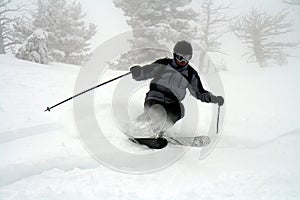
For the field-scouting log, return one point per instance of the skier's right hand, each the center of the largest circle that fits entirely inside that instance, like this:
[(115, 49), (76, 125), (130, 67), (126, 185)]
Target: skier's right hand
[(136, 71)]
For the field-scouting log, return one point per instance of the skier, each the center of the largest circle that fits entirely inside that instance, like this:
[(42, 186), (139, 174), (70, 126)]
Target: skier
[(170, 79)]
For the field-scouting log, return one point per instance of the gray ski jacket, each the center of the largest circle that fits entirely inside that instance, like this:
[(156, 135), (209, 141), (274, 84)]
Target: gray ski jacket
[(169, 82)]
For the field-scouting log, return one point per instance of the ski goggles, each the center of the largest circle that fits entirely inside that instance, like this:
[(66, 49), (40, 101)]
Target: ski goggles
[(182, 57)]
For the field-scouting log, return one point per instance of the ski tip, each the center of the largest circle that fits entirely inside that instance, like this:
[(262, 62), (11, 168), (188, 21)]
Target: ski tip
[(48, 109)]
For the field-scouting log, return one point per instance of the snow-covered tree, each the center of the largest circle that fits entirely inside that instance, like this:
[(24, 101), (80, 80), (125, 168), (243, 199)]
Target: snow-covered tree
[(213, 23), (22, 29), (35, 48), (77, 46), (68, 34), (6, 37), (170, 19), (265, 36), (292, 2)]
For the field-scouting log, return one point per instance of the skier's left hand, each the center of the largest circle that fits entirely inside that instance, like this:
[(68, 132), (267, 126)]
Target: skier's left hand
[(217, 99), (206, 97)]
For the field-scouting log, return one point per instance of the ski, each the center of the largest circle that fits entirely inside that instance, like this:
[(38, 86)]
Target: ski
[(161, 142)]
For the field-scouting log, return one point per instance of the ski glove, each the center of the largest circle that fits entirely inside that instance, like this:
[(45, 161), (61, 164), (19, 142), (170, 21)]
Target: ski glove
[(217, 99), (209, 98), (206, 97), (136, 71)]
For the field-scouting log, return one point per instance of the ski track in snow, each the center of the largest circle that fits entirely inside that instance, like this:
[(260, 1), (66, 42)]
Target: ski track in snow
[(8, 136), (233, 142), (17, 172)]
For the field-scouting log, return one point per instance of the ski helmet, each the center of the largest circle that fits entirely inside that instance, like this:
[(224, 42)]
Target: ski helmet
[(183, 48), (182, 53)]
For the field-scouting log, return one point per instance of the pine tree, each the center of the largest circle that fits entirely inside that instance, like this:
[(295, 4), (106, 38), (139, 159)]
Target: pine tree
[(22, 29), (170, 20), (77, 47), (68, 34)]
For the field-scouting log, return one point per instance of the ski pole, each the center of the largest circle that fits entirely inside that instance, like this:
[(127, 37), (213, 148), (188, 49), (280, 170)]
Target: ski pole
[(92, 88), (220, 101), (218, 119)]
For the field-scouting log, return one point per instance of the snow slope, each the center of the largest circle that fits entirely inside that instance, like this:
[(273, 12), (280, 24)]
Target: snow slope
[(42, 157)]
